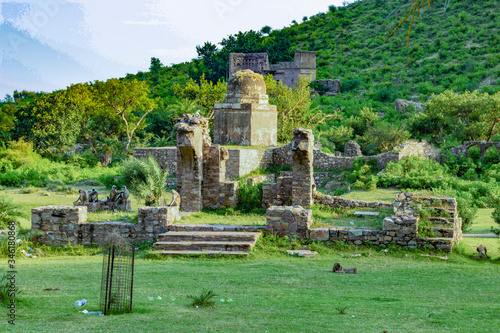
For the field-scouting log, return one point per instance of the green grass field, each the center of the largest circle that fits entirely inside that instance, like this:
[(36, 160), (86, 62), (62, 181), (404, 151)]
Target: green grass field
[(269, 292), (398, 291)]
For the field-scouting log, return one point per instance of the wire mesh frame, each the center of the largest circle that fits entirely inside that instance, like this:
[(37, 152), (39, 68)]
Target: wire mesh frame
[(117, 280)]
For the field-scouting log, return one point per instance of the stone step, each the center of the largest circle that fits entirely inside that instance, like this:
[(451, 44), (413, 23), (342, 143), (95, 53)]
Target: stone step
[(200, 253), (216, 227), (204, 246), (204, 236)]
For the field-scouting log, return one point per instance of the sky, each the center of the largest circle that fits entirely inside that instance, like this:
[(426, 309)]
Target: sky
[(49, 44)]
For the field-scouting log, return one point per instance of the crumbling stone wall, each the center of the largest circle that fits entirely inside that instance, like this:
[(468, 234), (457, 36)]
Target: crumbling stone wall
[(303, 179), (352, 149), (192, 131), (294, 187), (323, 161), (401, 106), (63, 225), (288, 220), (304, 64), (401, 230), (463, 150), (201, 168), (443, 218), (340, 202), (165, 156)]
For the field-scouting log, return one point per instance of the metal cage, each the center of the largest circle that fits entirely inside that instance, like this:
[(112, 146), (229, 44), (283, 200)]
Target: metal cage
[(117, 280)]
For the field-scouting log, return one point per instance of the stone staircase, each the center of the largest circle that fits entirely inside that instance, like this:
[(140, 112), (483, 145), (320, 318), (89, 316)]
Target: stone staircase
[(200, 239)]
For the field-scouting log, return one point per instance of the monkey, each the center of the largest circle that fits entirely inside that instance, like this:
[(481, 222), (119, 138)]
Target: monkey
[(93, 195), (123, 195), (481, 252), (113, 194), (83, 196), (176, 198)]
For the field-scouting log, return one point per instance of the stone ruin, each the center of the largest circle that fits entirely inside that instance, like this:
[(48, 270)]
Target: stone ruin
[(304, 64), (117, 200), (201, 167), (352, 149), (246, 118), (401, 229), (296, 187)]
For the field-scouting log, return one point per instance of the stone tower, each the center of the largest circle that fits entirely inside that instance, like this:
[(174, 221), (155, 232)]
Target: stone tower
[(246, 118)]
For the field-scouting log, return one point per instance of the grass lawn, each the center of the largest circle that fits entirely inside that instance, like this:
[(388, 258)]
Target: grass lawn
[(269, 292), (230, 219), (382, 195), (483, 222)]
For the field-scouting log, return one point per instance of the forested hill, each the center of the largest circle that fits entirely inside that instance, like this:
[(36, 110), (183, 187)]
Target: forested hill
[(455, 45)]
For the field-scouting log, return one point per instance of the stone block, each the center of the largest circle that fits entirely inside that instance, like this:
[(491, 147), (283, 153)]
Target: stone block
[(320, 234)]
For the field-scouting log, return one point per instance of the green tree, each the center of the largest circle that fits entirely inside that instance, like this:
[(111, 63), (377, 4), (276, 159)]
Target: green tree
[(294, 107), (382, 137), (154, 70), (127, 99), (205, 94), (472, 116)]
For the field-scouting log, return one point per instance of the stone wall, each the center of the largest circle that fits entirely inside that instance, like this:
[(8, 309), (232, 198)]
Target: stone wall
[(304, 64), (323, 161), (63, 225), (402, 106), (463, 150), (242, 161), (399, 230), (303, 180), (165, 156), (201, 167), (340, 202), (104, 205), (288, 220)]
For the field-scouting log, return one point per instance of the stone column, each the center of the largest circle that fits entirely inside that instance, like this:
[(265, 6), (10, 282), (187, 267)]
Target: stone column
[(303, 179), (190, 131)]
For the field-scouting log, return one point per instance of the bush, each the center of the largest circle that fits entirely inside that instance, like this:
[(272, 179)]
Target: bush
[(249, 197), (146, 180), (9, 212)]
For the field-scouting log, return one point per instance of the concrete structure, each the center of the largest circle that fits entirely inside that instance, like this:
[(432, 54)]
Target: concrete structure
[(201, 167), (246, 118)]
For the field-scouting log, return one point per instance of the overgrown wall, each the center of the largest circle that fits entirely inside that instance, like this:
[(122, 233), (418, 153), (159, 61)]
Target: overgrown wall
[(64, 225)]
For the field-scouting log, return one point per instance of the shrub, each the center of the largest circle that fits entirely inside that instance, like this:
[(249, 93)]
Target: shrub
[(149, 181), (205, 299), (249, 197), (9, 212)]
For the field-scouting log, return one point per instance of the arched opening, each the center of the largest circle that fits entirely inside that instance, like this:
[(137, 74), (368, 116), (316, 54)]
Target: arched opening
[(492, 154), (474, 152)]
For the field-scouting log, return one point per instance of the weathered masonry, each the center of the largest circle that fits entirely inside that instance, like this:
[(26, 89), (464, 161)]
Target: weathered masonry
[(246, 118), (63, 225), (402, 229)]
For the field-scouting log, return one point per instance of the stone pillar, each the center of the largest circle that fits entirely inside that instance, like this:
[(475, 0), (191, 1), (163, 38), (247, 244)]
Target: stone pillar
[(303, 177), (288, 220), (190, 134), (214, 170), (352, 149)]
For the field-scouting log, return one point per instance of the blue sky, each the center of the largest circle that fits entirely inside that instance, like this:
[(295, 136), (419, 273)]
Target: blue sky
[(49, 44)]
